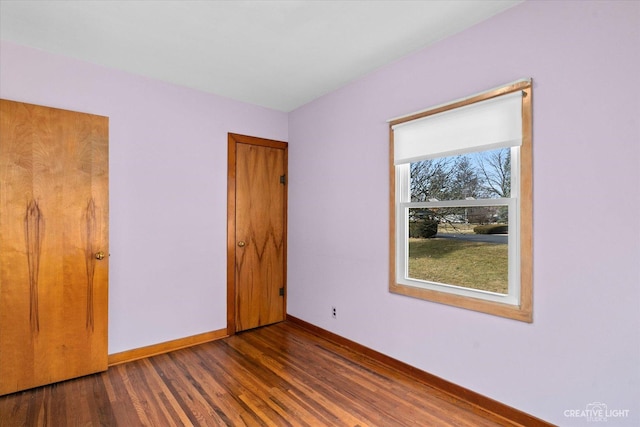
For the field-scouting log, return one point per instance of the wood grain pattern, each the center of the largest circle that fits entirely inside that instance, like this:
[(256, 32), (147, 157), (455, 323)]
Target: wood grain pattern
[(526, 207), (257, 231), (34, 233), (260, 224), (90, 259), (280, 375), (468, 398), (54, 210), (165, 347)]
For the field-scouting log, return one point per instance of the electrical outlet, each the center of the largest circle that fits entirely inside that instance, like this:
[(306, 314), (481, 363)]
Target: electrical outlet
[(333, 312)]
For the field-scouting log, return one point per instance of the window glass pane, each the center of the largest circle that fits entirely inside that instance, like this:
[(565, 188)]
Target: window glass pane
[(465, 247), (481, 175)]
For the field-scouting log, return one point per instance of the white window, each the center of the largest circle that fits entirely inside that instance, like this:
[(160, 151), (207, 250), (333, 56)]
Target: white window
[(461, 203)]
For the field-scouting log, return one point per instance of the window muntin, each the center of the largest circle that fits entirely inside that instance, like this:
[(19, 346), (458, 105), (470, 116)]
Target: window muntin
[(489, 193)]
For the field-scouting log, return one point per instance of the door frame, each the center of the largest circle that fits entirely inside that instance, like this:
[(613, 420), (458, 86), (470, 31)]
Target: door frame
[(232, 140)]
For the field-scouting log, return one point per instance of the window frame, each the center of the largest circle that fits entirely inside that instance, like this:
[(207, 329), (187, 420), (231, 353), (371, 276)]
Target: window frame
[(521, 306)]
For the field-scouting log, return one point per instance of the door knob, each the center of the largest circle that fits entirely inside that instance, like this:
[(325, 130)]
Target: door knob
[(99, 255), (241, 244)]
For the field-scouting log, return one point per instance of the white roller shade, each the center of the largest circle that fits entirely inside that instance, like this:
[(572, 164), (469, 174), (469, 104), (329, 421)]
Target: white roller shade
[(485, 125)]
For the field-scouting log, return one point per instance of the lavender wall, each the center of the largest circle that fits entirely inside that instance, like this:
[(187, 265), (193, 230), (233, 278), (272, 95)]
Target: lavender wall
[(168, 186), (584, 344), (168, 204)]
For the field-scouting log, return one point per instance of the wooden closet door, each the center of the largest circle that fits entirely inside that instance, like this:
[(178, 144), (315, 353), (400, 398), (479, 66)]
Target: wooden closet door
[(53, 245), (259, 231)]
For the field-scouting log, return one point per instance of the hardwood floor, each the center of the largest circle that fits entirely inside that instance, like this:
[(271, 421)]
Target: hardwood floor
[(280, 375)]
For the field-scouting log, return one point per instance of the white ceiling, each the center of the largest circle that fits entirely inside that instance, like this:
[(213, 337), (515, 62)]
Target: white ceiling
[(278, 54)]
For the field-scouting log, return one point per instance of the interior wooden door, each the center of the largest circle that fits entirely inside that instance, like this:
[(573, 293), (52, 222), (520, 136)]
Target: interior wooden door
[(257, 234), (53, 245)]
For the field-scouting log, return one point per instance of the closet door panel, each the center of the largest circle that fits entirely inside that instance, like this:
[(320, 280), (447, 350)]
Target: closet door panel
[(53, 245)]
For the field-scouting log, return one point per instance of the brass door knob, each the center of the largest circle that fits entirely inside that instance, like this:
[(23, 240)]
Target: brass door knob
[(99, 255), (241, 244)]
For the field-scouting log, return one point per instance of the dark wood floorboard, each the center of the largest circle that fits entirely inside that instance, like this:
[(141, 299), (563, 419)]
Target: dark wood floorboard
[(280, 375)]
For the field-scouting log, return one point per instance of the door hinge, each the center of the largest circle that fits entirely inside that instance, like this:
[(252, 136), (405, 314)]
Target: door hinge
[(282, 291), (283, 179)]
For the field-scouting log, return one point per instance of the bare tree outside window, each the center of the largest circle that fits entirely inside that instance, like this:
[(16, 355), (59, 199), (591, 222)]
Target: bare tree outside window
[(494, 168), (463, 246), (483, 175)]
